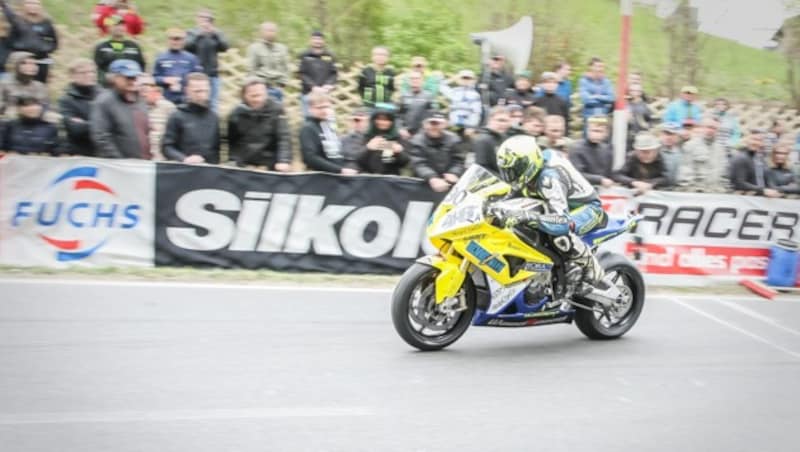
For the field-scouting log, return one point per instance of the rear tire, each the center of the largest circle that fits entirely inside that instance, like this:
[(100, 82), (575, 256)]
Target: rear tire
[(413, 306), (629, 279)]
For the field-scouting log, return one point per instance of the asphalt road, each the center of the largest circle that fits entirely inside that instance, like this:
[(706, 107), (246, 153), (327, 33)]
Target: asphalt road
[(108, 366)]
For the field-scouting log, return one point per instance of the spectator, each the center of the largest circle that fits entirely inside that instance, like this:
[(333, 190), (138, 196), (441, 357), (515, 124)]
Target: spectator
[(553, 138), (317, 66), (705, 162), (192, 134), (465, 102), (32, 32), (353, 142), (29, 133), (780, 176), (671, 151), (172, 67), (436, 155), (22, 83), (116, 48), (636, 78), (593, 156), (684, 111), (415, 105), (596, 91), (206, 42), (485, 144), (319, 144), (105, 10), (158, 111), (431, 79), (774, 136), (549, 100), (521, 94), (517, 115), (269, 60), (729, 133), (748, 168), (640, 117), (258, 133), (376, 82), (498, 81), (564, 71), (644, 170), (384, 151), (118, 122), (76, 104), (533, 121)]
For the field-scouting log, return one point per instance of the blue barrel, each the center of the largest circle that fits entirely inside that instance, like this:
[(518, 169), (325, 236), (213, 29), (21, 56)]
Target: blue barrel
[(783, 262)]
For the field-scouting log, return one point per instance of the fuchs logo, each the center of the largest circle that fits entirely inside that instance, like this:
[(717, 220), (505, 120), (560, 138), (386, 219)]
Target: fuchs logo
[(83, 218)]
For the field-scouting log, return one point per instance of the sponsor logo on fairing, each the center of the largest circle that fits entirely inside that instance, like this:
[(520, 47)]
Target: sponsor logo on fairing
[(83, 220)]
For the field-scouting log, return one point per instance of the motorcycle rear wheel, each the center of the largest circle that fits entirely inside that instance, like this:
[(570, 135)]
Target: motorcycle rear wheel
[(419, 320)]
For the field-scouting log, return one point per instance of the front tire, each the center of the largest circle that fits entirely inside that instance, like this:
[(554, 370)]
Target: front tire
[(419, 320), (630, 282)]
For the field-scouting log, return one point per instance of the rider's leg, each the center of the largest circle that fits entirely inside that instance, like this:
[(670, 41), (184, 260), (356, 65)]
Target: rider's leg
[(585, 219)]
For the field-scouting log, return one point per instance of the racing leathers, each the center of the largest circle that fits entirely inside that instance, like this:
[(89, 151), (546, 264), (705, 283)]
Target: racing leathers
[(573, 209)]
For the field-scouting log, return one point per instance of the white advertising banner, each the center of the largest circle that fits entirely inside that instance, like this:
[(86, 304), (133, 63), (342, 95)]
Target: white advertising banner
[(76, 212)]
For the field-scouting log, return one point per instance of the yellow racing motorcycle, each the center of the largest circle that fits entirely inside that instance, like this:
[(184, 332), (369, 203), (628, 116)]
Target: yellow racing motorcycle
[(488, 275)]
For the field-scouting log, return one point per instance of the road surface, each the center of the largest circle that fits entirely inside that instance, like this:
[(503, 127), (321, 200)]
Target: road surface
[(151, 366)]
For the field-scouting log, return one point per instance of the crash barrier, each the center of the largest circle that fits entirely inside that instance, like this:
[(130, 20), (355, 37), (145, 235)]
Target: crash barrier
[(59, 212)]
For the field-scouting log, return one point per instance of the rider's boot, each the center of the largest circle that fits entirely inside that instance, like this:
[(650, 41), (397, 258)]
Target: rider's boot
[(582, 267)]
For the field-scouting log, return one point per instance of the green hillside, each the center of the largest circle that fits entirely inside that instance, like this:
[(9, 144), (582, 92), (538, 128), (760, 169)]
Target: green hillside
[(571, 29)]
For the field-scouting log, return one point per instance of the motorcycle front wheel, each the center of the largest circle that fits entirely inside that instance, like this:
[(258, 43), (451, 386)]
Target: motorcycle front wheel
[(419, 320)]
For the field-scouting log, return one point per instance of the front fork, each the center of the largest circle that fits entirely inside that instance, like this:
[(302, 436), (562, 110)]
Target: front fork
[(453, 270)]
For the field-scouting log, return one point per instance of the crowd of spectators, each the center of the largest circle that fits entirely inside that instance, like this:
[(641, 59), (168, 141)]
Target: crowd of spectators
[(114, 109)]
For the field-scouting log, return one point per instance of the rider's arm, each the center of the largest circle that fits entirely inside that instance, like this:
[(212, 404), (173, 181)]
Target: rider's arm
[(552, 188)]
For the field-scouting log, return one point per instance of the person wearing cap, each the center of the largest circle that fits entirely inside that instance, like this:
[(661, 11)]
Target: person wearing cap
[(268, 60), (486, 142), (748, 172), (780, 176), (118, 122), (353, 141), (549, 100), (30, 133), (593, 156), (383, 150), (466, 106), (521, 93), (436, 154), (117, 47), (21, 83), (705, 161), (497, 81), (258, 132), (596, 90), (76, 104), (414, 105), (104, 10), (320, 146), (172, 67), (644, 169), (158, 112), (684, 111), (672, 151), (317, 65), (32, 32), (206, 42), (376, 81)]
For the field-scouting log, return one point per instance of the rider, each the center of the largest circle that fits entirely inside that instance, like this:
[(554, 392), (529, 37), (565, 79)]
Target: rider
[(573, 205)]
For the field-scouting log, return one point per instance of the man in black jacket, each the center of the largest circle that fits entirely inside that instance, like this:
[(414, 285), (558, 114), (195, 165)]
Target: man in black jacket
[(192, 134), (258, 134), (119, 123), (376, 82), (116, 48), (644, 170), (550, 101), (29, 133), (317, 65), (487, 141), (32, 32), (319, 144), (76, 104), (780, 176), (593, 156), (498, 80), (436, 154), (415, 105), (206, 42), (748, 168)]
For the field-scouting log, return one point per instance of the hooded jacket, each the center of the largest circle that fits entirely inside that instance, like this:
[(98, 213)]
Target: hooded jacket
[(379, 161), (18, 85), (433, 157), (31, 136), (75, 107), (259, 137), (39, 38), (192, 130)]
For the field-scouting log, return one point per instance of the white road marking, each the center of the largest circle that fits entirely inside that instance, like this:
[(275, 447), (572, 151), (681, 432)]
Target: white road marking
[(92, 417), (736, 328), (758, 316)]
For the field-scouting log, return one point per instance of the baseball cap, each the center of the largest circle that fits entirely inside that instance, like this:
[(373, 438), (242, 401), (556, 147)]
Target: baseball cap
[(127, 68), (645, 140), (598, 120), (523, 74), (317, 34), (466, 73), (689, 89), (670, 127), (436, 116)]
